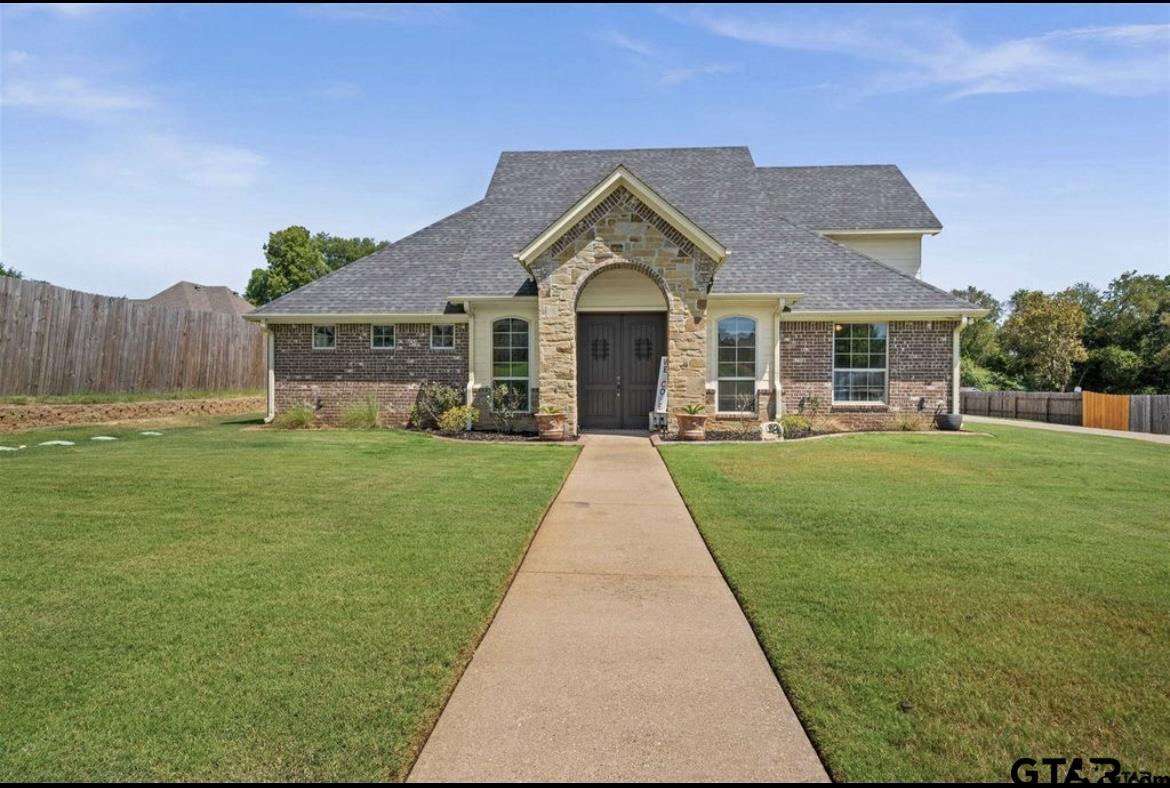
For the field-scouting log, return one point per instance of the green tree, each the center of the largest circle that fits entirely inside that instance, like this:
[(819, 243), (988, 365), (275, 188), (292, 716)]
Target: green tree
[(6, 271), (978, 341), (340, 251), (293, 261), (1113, 369), (1042, 338), (296, 257), (1135, 316)]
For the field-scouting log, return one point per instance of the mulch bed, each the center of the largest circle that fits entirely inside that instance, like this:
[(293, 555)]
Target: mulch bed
[(496, 437)]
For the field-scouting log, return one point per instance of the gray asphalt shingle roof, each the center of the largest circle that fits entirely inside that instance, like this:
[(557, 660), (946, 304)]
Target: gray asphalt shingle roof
[(720, 189), (847, 197)]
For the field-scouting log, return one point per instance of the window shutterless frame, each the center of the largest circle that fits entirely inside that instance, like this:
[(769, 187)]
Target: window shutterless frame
[(510, 357), (382, 337), (735, 365), (324, 337), (860, 363), (445, 333)]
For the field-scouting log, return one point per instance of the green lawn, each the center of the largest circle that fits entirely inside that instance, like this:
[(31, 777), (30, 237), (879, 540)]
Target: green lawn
[(247, 605), (1014, 589)]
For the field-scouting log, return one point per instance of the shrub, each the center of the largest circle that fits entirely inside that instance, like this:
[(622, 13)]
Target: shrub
[(826, 424), (550, 410), (299, 418), (364, 415), (694, 409), (458, 419), (795, 425), (507, 406), (908, 422), (434, 399)]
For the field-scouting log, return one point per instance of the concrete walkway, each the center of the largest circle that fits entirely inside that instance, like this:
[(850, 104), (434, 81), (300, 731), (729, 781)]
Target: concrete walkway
[(619, 653), (1149, 437)]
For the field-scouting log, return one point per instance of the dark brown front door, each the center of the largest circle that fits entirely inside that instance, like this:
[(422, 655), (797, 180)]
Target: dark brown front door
[(617, 368)]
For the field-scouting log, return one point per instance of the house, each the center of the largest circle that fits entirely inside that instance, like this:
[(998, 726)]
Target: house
[(200, 298), (768, 290)]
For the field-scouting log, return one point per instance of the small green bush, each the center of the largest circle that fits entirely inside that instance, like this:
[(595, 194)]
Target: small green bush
[(458, 419), (795, 425), (433, 400), (507, 406), (364, 415), (299, 418), (694, 409)]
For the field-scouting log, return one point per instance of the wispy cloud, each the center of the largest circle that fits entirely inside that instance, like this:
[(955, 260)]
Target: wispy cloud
[(628, 44), (378, 12), (341, 90), (670, 67), (916, 53), (68, 10), (157, 160), (677, 76), (28, 84)]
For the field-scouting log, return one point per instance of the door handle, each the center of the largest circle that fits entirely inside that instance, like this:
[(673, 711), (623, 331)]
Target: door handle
[(619, 385)]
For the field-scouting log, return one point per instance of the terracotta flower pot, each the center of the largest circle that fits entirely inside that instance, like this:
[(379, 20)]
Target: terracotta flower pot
[(691, 426), (551, 426)]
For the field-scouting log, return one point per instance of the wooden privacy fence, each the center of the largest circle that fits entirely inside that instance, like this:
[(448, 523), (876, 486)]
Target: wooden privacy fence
[(1149, 413), (58, 341), (1056, 407), (1105, 411), (1133, 412)]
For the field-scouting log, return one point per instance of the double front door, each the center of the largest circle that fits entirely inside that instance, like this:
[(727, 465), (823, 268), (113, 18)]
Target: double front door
[(617, 368)]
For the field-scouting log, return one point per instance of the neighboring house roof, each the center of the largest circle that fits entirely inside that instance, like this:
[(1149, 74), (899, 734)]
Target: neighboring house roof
[(473, 252), (848, 197), (201, 298)]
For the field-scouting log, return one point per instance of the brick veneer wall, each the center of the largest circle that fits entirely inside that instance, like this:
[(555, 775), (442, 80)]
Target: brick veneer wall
[(328, 380), (919, 363)]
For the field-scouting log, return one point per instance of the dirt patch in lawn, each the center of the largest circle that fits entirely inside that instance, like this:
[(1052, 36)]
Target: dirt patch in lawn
[(17, 418)]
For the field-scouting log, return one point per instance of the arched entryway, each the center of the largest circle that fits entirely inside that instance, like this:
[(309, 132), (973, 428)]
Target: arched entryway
[(621, 339)]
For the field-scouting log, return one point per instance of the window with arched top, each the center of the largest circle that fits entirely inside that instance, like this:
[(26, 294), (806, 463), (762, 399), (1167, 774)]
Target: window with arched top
[(736, 365), (510, 358)]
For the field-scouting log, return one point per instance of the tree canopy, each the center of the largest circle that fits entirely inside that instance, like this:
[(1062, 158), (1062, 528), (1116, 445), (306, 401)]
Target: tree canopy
[(296, 257), (1114, 340), (7, 271)]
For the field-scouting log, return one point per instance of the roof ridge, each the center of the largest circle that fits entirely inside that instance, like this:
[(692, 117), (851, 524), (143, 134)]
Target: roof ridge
[(823, 166), (620, 150)]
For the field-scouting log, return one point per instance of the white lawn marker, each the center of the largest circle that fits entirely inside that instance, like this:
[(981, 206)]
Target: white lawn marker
[(150, 432), (103, 438), (57, 443)]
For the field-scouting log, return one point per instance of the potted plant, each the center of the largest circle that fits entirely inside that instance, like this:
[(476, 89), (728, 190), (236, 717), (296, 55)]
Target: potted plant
[(692, 421), (950, 422), (550, 421)]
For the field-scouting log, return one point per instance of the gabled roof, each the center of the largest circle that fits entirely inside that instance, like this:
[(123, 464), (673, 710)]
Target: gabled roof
[(618, 179), (200, 298), (848, 197), (720, 191)]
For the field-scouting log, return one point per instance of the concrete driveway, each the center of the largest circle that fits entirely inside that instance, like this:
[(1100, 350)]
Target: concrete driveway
[(619, 653)]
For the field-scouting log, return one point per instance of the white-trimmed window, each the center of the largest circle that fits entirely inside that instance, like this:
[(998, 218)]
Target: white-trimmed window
[(442, 336), (324, 337), (736, 365), (859, 362), (510, 357), (382, 337)]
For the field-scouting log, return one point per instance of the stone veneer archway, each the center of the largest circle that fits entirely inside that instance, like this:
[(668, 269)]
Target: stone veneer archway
[(622, 232)]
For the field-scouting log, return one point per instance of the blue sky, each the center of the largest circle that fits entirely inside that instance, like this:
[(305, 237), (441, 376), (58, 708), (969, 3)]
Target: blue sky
[(146, 144)]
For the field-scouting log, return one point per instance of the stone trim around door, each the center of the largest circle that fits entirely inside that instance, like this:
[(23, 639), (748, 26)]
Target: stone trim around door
[(626, 234)]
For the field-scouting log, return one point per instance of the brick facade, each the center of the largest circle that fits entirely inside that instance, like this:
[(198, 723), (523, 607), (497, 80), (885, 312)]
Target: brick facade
[(919, 367), (329, 380)]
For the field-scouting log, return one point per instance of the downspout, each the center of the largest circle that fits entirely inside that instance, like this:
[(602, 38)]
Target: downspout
[(779, 393), (956, 365), (469, 396), (270, 377)]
